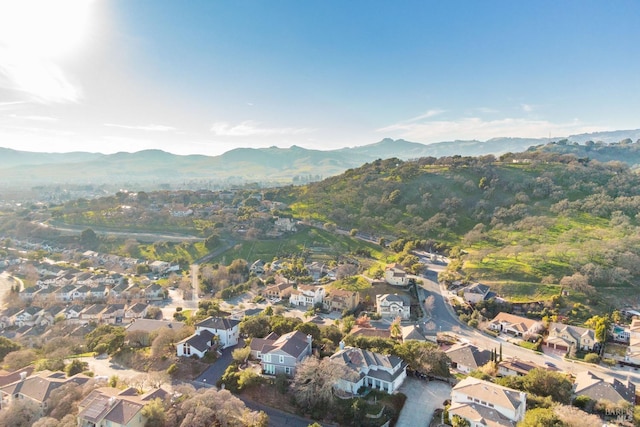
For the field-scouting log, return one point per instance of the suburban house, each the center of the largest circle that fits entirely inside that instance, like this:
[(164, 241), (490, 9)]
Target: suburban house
[(483, 403), (413, 333), (341, 300), (257, 267), (65, 293), (279, 290), (27, 317), (604, 388), (136, 311), (475, 293), (633, 352), (393, 305), (307, 295), (368, 369), (225, 329), (563, 337), (620, 333), (38, 387), (285, 224), (154, 292), (219, 331), (112, 407), (515, 367), (395, 275), (281, 354), (517, 326), (466, 357)]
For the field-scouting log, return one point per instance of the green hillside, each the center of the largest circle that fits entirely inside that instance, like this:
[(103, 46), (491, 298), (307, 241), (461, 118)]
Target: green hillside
[(531, 218)]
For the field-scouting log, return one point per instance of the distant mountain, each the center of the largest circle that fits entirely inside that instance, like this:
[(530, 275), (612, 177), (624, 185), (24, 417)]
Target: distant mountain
[(150, 169)]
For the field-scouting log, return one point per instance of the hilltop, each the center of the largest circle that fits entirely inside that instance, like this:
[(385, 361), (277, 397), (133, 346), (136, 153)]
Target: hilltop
[(156, 169)]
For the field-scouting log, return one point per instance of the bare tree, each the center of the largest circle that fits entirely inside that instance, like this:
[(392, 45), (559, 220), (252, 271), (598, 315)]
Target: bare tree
[(314, 380), (574, 417), (429, 304)]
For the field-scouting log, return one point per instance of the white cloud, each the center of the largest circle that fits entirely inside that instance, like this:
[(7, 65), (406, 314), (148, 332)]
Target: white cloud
[(477, 128), (527, 108), (251, 128), (426, 115), (149, 128)]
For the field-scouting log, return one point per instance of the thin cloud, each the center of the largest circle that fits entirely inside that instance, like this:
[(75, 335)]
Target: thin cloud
[(148, 128), (427, 115), (487, 110), (34, 118), (477, 128), (527, 108), (251, 128)]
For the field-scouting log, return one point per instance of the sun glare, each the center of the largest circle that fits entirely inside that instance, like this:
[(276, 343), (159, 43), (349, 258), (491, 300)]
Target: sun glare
[(43, 28)]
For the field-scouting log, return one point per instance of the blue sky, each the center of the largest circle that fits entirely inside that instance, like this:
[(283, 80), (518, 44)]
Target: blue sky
[(208, 76)]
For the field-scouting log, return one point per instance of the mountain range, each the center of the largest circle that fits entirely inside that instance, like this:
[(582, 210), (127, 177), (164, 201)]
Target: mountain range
[(151, 169)]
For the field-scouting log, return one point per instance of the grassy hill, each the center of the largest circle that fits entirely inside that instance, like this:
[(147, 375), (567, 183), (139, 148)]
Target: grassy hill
[(526, 219)]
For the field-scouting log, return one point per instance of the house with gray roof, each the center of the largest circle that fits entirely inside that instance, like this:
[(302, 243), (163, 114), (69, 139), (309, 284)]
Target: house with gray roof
[(466, 357), (281, 354), (112, 407), (485, 404), (599, 387), (391, 306), (475, 293), (38, 387), (196, 345), (563, 337), (365, 368), (214, 331)]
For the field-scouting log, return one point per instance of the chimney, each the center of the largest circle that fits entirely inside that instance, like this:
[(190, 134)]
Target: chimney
[(341, 345), (23, 376), (310, 340)]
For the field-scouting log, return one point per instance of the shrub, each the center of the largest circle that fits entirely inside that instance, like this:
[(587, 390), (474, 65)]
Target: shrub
[(172, 369), (592, 358)]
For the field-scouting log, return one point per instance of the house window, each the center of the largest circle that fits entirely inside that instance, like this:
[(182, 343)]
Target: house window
[(281, 359), (259, 355), (266, 357), (186, 349), (287, 370)]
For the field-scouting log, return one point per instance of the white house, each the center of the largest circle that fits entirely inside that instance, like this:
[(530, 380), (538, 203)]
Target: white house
[(393, 305), (214, 330), (475, 293), (483, 403), (368, 369), (307, 295), (395, 275)]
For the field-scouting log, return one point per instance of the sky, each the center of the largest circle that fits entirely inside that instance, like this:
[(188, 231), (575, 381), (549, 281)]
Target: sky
[(207, 76)]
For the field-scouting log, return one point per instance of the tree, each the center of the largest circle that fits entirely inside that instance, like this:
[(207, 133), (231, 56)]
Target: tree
[(105, 338), (424, 357), (314, 379), (571, 416), (20, 413), (88, 237), (255, 326), (429, 304), (154, 413), (212, 242), (241, 355), (540, 417), (396, 328), (75, 367), (20, 358), (7, 346), (209, 407), (458, 421)]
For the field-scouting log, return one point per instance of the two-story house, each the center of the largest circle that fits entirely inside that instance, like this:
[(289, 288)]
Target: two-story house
[(391, 306), (281, 354), (483, 403), (38, 387), (220, 331), (395, 275), (307, 296), (280, 290), (341, 300), (365, 368), (562, 337)]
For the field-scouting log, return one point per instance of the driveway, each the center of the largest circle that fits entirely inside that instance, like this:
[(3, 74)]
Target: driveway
[(214, 372), (423, 398)]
